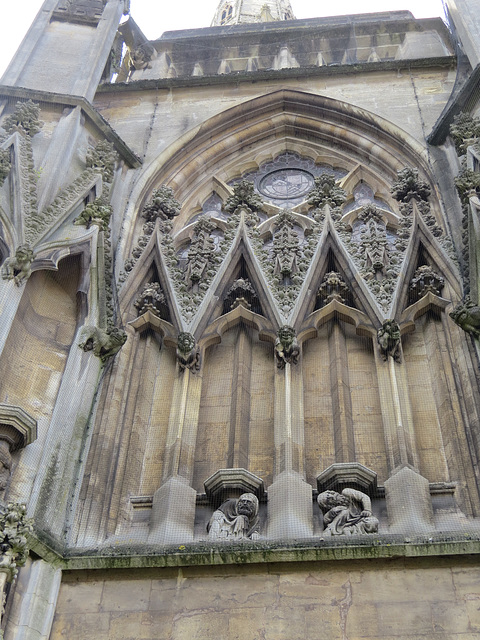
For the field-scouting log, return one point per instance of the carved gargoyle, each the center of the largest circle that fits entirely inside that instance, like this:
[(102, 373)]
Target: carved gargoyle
[(388, 337), (105, 343), (467, 316), (188, 353), (19, 267), (287, 349)]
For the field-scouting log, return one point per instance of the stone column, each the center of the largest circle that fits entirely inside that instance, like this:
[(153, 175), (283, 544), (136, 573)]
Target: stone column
[(290, 512), (407, 493), (173, 511), (34, 602)]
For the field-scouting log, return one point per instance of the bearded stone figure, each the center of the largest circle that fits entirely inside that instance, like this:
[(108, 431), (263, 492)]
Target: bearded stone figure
[(347, 514), (235, 519)]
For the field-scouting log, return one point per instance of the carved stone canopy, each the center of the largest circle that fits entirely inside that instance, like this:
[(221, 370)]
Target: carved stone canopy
[(229, 483), (17, 427), (354, 475)]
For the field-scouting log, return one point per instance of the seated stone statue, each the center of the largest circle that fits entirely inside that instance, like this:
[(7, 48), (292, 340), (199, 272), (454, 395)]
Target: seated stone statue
[(235, 519), (347, 513)]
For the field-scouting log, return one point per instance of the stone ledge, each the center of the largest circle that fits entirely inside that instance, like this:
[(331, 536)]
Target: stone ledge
[(204, 554)]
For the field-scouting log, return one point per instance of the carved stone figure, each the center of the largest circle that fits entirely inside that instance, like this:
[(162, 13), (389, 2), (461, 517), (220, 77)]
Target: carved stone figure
[(408, 186), (347, 513), (188, 353), (388, 337), (243, 194), (19, 267), (326, 191), (467, 316), (235, 519), (105, 343), (201, 254), (425, 280), (25, 119), (141, 57), (286, 346), (14, 530)]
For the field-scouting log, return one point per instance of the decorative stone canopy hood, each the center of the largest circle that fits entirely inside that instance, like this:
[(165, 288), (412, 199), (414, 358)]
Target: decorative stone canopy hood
[(241, 11)]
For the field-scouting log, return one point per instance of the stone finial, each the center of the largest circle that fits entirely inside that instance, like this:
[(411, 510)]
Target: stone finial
[(152, 299), (102, 158), (97, 213), (425, 280), (15, 528), (388, 337), (201, 254), (161, 205), (465, 131), (105, 343), (286, 245), (467, 315), (25, 119), (19, 267), (243, 194), (326, 191), (287, 348), (5, 165), (408, 186), (188, 353), (333, 287)]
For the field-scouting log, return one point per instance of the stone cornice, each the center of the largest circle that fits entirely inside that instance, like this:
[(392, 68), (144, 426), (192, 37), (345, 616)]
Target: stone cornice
[(64, 100), (445, 62)]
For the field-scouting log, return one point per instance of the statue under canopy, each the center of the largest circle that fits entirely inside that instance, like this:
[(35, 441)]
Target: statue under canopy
[(235, 519)]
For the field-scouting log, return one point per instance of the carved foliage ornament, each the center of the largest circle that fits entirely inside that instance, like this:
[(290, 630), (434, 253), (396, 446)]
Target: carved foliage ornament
[(161, 205), (286, 245), (97, 213), (25, 119), (464, 131), (102, 158), (15, 528), (408, 186), (5, 165), (19, 267), (327, 191), (201, 255), (243, 194)]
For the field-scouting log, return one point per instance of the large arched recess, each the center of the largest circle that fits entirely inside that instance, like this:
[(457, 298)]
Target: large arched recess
[(244, 136)]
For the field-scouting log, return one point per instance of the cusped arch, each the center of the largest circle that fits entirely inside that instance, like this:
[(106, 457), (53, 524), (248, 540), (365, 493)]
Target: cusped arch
[(315, 125)]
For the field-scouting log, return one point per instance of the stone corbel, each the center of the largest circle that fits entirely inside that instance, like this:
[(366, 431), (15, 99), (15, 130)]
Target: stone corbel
[(231, 483), (354, 475), (17, 430)]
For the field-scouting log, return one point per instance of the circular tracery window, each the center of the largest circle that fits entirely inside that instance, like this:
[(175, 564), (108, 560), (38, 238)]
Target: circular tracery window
[(286, 184)]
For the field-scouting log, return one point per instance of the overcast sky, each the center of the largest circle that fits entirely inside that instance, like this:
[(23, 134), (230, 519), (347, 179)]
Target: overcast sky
[(155, 16)]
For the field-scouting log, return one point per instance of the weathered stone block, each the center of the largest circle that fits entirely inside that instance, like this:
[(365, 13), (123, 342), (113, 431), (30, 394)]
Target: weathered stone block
[(173, 513), (409, 505), (290, 512)]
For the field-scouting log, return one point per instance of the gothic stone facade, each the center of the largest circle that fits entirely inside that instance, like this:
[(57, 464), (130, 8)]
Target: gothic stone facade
[(239, 327)]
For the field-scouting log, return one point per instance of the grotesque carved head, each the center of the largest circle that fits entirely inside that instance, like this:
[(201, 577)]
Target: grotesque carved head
[(329, 499), (186, 342), (247, 505), (24, 255), (286, 334)]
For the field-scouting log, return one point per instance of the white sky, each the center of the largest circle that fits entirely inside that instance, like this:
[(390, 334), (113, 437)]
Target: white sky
[(153, 17)]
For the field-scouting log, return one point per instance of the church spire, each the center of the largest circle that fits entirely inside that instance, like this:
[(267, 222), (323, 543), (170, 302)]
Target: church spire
[(241, 11)]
